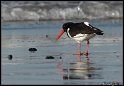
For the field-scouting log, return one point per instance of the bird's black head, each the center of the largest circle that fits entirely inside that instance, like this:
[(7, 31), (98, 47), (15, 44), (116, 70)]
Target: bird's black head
[(67, 25)]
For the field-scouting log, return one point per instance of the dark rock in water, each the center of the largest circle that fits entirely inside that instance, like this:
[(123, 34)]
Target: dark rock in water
[(114, 52), (60, 57), (32, 49), (47, 36), (50, 57), (117, 56), (10, 57)]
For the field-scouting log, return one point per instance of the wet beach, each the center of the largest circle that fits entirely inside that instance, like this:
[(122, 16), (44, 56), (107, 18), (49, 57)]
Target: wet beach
[(26, 67)]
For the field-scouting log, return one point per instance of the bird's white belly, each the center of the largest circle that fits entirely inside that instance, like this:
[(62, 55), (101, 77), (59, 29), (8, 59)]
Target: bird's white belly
[(83, 37)]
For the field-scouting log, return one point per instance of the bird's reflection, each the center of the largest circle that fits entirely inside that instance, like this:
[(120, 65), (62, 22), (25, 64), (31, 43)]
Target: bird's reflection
[(78, 70)]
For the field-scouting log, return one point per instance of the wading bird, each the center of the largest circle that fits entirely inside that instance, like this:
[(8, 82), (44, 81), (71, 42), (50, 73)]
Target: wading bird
[(82, 31)]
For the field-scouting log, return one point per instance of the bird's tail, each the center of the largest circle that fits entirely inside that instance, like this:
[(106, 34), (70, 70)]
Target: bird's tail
[(99, 32)]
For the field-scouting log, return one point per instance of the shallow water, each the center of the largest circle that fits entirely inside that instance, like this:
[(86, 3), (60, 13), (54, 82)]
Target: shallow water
[(105, 55)]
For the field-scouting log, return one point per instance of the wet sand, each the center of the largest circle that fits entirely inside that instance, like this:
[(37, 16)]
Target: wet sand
[(105, 55)]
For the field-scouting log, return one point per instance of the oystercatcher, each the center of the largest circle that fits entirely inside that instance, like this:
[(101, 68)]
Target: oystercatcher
[(82, 31)]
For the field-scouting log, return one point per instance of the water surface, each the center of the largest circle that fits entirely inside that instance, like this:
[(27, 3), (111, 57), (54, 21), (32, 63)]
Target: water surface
[(105, 54)]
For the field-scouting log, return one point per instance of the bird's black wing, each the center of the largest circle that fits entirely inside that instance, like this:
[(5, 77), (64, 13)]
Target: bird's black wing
[(89, 29)]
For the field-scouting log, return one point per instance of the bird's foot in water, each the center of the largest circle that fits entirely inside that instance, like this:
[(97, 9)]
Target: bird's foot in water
[(85, 53), (79, 54), (87, 59)]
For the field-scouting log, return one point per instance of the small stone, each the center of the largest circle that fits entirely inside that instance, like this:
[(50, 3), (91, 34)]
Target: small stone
[(10, 57), (32, 49), (50, 57)]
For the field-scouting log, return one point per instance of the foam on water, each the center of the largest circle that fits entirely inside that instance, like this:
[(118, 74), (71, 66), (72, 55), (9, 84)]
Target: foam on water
[(45, 10)]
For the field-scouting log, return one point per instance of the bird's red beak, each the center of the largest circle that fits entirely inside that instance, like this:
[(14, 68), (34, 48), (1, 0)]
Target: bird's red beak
[(60, 34)]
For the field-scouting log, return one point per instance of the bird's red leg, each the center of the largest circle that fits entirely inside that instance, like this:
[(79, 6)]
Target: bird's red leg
[(87, 46), (79, 52)]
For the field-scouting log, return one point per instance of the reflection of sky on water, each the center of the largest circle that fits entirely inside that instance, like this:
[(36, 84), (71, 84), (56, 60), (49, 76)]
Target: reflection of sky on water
[(105, 53)]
